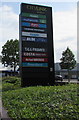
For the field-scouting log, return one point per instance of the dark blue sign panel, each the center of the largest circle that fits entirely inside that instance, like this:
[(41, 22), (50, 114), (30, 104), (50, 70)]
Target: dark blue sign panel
[(27, 24), (33, 20), (31, 39), (36, 45)]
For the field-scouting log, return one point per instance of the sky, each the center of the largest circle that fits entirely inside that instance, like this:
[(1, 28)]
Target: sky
[(64, 24)]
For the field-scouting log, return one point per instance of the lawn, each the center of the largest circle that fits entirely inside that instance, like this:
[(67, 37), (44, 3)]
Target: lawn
[(42, 102)]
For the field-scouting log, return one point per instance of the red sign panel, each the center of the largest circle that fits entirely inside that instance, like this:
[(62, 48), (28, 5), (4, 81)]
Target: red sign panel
[(32, 54), (29, 59)]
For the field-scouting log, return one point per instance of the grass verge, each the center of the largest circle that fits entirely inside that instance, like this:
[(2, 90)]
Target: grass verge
[(43, 102)]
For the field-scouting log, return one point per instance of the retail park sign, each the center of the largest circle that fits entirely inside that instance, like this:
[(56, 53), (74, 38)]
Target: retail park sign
[(36, 45)]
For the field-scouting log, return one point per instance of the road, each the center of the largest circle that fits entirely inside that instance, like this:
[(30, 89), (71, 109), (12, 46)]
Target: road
[(71, 80)]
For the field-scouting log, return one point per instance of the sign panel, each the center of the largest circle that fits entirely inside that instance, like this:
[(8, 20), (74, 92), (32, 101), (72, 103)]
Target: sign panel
[(32, 29), (27, 24), (33, 20), (27, 59), (32, 54), (33, 34), (36, 45), (32, 39)]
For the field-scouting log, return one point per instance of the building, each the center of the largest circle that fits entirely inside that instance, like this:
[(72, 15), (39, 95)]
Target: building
[(74, 73), (7, 71)]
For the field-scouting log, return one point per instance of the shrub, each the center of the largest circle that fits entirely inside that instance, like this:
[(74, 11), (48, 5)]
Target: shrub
[(43, 103), (7, 86), (11, 83), (13, 80)]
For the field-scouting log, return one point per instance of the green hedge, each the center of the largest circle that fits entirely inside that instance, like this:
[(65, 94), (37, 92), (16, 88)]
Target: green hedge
[(10, 83), (13, 80), (43, 103)]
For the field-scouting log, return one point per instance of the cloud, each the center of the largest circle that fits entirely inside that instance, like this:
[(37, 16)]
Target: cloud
[(64, 26), (9, 24), (65, 32)]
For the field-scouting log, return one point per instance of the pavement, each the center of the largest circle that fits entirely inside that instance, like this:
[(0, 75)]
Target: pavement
[(0, 108), (3, 112)]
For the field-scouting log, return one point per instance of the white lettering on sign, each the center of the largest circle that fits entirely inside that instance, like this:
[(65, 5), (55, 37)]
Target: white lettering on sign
[(31, 29), (30, 39), (35, 54), (35, 49), (26, 59), (29, 64)]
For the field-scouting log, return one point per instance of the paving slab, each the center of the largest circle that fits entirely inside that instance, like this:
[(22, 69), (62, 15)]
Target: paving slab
[(3, 112)]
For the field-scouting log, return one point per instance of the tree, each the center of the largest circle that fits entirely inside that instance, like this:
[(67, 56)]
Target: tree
[(10, 53), (67, 61)]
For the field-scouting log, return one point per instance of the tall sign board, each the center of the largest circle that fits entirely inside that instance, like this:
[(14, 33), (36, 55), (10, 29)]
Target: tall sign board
[(36, 45)]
